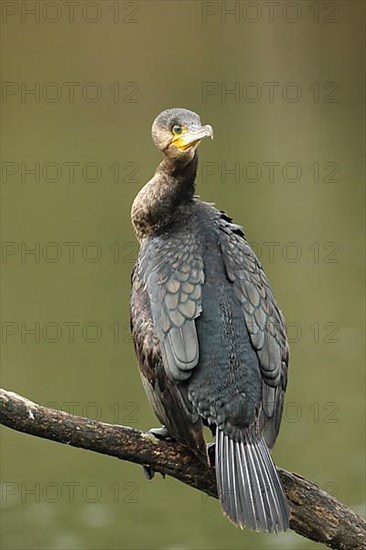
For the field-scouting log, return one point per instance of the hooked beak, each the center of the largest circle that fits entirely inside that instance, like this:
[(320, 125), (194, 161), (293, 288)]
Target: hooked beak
[(192, 137)]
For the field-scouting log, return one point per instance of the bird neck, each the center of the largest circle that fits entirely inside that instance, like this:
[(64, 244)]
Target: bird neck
[(179, 176), (165, 201)]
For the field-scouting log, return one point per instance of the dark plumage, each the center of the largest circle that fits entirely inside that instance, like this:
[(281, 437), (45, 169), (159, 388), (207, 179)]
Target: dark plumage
[(209, 337)]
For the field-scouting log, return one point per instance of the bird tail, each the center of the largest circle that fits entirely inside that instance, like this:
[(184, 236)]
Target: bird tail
[(249, 489)]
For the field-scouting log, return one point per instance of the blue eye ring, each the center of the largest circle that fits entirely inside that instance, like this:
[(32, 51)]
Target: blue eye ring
[(177, 129)]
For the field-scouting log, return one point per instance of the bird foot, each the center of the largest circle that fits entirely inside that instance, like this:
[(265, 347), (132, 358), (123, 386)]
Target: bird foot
[(148, 472), (163, 435)]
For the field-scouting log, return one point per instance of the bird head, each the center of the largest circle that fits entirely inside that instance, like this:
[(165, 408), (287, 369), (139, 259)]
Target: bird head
[(178, 132)]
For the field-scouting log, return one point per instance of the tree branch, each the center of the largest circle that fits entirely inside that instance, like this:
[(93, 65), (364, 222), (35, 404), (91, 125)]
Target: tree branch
[(314, 514)]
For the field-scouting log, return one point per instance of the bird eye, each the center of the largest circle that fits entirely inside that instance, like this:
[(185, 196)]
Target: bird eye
[(177, 129)]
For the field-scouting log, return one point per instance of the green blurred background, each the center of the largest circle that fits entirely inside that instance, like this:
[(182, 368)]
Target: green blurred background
[(134, 60)]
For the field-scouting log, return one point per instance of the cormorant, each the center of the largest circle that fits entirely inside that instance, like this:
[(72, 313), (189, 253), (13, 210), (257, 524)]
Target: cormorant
[(209, 337)]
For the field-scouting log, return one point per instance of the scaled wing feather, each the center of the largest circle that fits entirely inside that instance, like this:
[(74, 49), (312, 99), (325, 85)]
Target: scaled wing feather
[(263, 319), (173, 277)]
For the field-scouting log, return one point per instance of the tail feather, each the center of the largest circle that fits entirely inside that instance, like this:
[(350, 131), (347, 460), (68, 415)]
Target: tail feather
[(249, 489)]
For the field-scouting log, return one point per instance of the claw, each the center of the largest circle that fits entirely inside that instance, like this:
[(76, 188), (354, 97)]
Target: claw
[(161, 433), (148, 471)]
